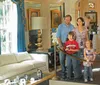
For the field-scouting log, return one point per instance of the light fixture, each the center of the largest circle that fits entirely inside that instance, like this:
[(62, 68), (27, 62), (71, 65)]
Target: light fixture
[(39, 23), (91, 4)]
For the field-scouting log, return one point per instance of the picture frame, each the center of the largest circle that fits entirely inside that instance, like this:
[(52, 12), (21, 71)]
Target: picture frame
[(31, 13), (93, 16), (63, 9), (55, 18)]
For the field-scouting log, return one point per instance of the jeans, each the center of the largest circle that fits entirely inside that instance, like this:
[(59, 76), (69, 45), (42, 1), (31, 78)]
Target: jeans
[(88, 72), (62, 58), (80, 55), (71, 62)]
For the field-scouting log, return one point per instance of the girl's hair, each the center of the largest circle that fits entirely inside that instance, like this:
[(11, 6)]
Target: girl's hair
[(91, 45), (83, 22)]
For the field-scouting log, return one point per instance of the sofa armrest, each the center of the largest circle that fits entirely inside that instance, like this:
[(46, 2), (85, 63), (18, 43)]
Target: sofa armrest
[(40, 57)]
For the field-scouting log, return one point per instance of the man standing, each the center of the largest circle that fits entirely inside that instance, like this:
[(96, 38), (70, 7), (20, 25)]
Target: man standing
[(62, 33)]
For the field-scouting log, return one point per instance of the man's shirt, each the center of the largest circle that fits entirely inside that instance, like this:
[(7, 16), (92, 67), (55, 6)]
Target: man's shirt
[(63, 31)]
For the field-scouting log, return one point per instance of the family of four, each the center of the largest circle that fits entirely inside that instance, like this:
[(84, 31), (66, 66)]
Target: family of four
[(75, 42)]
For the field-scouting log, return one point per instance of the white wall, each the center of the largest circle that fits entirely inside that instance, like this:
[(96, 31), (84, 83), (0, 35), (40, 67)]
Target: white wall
[(70, 9)]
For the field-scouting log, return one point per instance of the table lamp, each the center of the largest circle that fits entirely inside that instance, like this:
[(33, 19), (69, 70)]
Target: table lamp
[(39, 23)]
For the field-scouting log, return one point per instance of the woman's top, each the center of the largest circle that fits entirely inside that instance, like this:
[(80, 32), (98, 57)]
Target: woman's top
[(81, 37)]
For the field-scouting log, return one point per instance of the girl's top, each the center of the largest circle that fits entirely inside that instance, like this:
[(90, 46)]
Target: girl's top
[(90, 55)]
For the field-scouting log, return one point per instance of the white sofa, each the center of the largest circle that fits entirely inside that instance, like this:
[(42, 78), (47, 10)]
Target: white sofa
[(22, 63)]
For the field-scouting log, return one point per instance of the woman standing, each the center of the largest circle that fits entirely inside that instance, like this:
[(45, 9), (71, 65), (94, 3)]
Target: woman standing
[(81, 35)]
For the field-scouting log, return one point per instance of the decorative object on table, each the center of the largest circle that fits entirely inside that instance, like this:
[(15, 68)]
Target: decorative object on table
[(26, 77), (7, 82), (39, 23), (39, 74), (32, 80), (15, 81), (22, 81)]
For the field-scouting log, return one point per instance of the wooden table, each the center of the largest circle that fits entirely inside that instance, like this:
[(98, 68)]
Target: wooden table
[(47, 77)]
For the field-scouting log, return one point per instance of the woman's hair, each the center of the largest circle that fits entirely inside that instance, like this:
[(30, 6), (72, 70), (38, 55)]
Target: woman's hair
[(83, 22), (91, 45)]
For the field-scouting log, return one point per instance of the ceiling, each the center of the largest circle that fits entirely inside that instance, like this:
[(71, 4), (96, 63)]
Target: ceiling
[(50, 1)]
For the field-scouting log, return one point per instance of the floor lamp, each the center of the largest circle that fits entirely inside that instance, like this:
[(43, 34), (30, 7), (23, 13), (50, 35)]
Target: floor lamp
[(39, 23)]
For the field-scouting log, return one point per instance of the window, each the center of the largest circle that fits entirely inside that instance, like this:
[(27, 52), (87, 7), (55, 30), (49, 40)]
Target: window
[(8, 27)]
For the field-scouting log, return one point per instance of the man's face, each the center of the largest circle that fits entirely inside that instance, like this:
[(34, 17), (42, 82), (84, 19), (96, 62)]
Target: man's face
[(67, 20)]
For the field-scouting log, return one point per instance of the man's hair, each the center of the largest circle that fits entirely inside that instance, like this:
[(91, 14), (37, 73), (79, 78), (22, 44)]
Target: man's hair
[(68, 16)]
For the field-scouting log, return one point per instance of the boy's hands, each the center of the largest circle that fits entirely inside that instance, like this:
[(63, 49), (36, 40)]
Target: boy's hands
[(67, 49)]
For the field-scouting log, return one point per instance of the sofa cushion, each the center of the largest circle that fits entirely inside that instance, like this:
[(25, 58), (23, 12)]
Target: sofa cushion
[(22, 56), (38, 64), (39, 57), (14, 69), (35, 64), (7, 59)]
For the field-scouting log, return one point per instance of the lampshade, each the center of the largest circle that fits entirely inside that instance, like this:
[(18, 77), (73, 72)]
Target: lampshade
[(39, 23)]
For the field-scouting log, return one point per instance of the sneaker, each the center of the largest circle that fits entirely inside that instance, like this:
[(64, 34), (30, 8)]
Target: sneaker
[(85, 80), (91, 79)]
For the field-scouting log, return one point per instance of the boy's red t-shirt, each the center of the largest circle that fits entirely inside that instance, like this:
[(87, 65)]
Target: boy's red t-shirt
[(71, 45)]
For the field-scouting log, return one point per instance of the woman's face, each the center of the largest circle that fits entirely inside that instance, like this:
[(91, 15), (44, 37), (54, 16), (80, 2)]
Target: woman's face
[(79, 22)]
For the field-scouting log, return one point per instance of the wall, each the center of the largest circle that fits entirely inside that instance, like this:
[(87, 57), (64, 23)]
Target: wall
[(45, 7), (70, 9), (85, 8)]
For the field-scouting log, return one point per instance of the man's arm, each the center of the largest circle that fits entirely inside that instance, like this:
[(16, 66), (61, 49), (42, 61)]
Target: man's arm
[(59, 42)]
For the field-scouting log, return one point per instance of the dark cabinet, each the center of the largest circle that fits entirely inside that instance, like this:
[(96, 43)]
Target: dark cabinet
[(33, 36)]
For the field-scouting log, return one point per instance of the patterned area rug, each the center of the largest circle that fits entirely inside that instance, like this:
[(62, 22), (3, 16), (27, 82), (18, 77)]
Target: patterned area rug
[(96, 74), (96, 77), (54, 82)]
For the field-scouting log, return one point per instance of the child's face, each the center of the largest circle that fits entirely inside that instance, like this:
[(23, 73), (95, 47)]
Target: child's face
[(70, 37), (87, 44)]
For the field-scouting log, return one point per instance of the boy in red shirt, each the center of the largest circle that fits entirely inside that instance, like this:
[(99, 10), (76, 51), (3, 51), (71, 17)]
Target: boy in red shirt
[(71, 47)]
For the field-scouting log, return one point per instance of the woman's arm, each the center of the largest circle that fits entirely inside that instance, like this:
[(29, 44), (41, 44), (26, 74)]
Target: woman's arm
[(87, 37)]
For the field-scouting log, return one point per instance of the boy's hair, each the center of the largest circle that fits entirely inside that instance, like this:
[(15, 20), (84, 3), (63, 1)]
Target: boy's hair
[(72, 33), (91, 45)]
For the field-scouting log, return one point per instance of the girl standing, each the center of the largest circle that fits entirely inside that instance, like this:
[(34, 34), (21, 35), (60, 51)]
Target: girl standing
[(89, 55)]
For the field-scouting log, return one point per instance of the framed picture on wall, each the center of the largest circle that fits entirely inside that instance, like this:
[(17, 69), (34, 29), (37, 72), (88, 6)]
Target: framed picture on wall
[(92, 15), (55, 18), (31, 13)]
